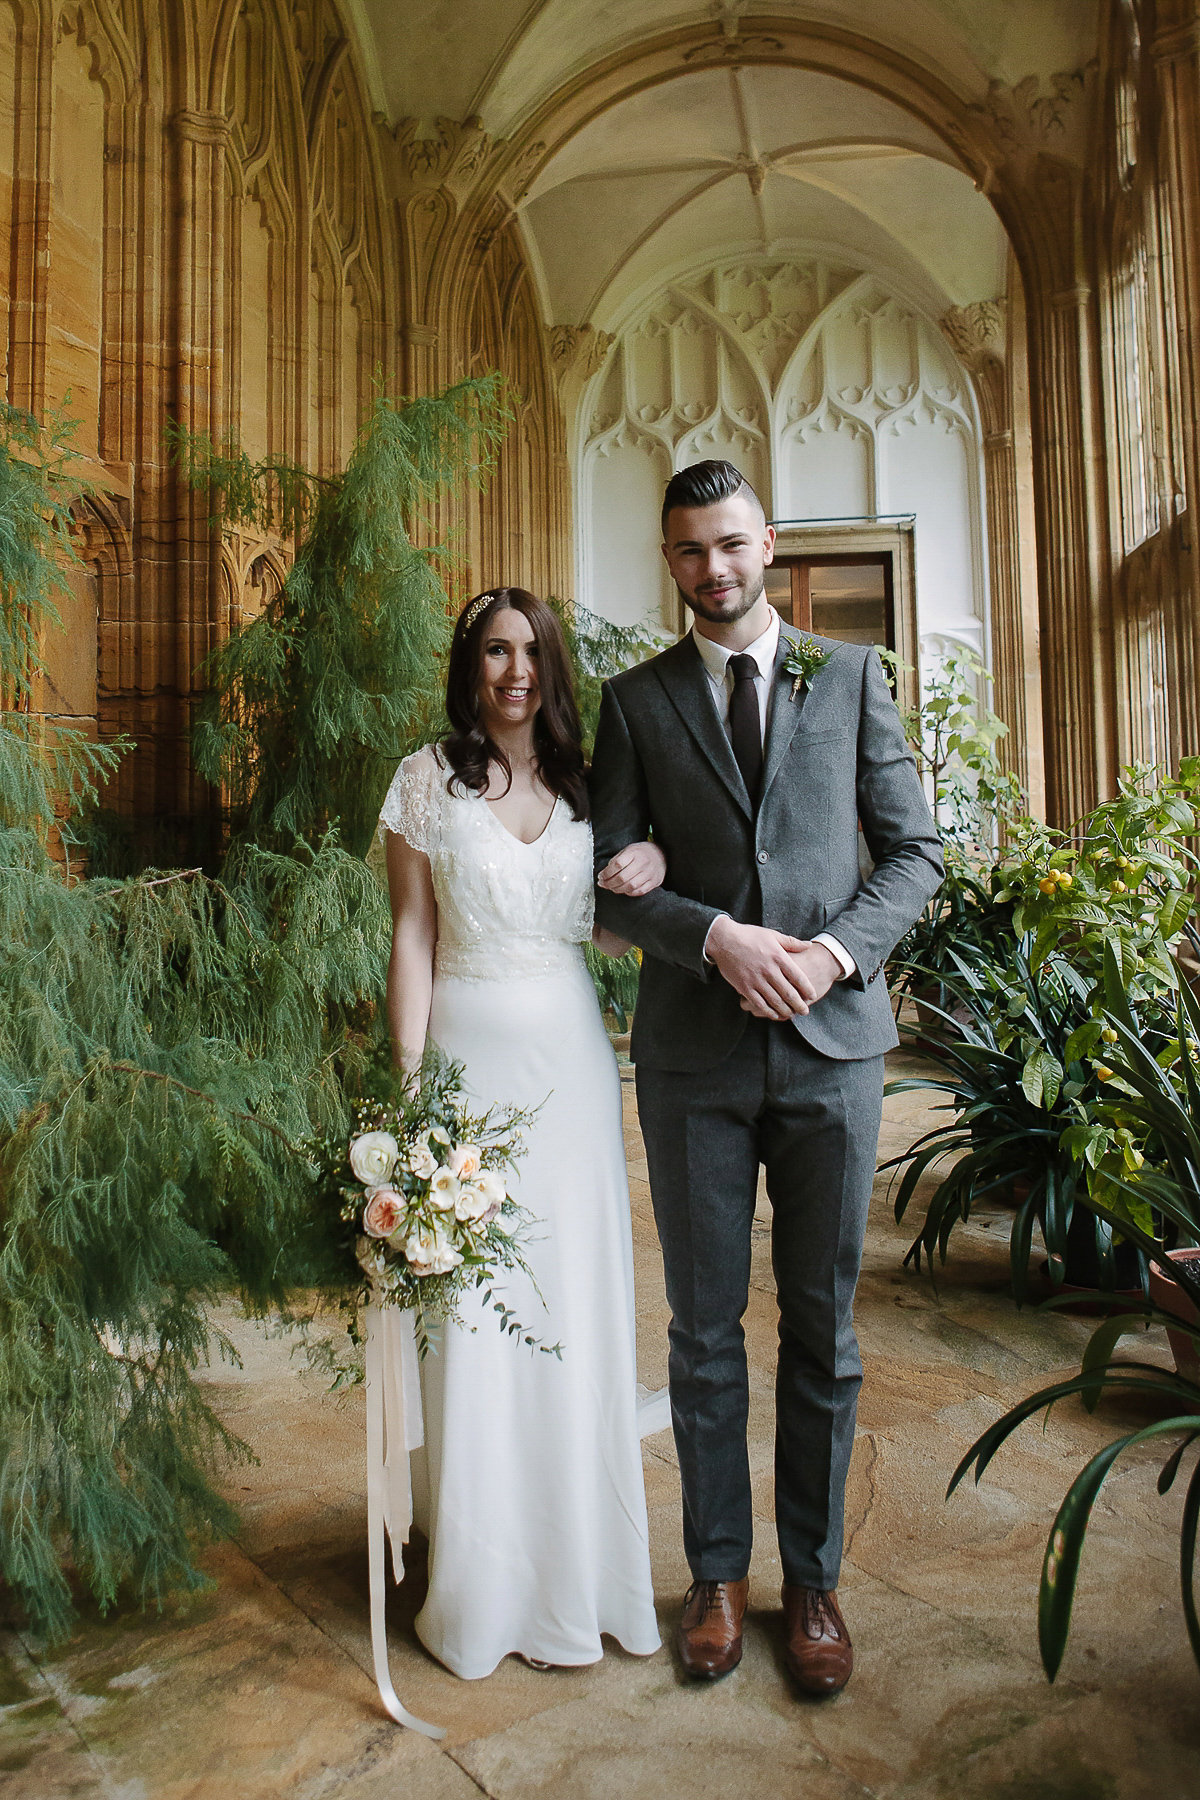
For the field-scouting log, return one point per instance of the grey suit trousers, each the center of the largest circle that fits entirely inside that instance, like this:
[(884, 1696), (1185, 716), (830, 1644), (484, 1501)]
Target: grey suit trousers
[(813, 1123)]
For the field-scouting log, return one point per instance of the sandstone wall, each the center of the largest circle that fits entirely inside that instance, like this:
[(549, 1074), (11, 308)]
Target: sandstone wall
[(199, 220)]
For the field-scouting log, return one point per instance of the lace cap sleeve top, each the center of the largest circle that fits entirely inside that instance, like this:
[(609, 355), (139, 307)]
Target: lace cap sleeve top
[(411, 806), (506, 909)]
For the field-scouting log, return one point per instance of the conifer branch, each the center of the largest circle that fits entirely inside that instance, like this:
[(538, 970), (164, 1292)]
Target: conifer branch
[(122, 1068)]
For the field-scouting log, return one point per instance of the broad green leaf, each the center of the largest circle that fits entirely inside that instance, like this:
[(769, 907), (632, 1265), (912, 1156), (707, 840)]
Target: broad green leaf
[(1041, 1078)]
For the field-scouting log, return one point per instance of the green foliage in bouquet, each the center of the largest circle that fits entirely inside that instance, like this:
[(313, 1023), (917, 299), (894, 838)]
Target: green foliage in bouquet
[(314, 703), (414, 1208), (168, 1043)]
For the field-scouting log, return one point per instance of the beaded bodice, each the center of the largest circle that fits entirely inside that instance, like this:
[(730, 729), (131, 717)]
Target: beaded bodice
[(506, 910)]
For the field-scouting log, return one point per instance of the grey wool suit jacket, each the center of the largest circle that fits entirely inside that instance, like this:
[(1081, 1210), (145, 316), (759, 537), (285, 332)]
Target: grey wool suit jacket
[(834, 754)]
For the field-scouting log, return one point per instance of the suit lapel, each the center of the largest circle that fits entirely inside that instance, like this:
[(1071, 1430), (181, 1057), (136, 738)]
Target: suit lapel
[(783, 716), (685, 679)]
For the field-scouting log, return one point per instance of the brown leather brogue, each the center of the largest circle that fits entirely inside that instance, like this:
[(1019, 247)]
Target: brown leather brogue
[(710, 1631), (819, 1653)]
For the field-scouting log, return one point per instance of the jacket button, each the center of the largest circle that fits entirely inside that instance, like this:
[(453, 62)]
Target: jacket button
[(764, 856)]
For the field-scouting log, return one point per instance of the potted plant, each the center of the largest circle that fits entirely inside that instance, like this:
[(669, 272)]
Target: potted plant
[(1010, 1062), (1149, 1202)]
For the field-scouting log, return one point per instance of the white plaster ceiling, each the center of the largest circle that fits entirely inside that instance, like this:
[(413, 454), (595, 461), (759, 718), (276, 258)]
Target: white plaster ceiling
[(501, 58), (668, 177)]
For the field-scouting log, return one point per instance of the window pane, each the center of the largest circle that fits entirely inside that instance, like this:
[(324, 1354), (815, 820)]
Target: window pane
[(849, 601), (779, 589)]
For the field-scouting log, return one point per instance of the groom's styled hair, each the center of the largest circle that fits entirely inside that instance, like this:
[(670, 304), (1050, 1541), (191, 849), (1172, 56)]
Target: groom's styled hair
[(706, 484)]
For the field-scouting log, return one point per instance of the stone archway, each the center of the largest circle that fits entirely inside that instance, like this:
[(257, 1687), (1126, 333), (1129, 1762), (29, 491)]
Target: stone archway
[(1025, 149)]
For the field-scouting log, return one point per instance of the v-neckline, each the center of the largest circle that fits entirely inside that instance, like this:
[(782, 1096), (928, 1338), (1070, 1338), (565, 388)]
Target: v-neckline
[(525, 843)]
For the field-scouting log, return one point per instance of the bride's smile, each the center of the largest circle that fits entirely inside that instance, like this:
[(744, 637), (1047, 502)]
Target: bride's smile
[(509, 692)]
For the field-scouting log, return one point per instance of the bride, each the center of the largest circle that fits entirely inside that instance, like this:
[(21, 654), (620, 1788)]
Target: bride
[(537, 1510)]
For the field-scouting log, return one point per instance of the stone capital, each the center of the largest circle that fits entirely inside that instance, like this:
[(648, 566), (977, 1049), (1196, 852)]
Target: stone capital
[(977, 331), (452, 158), (1021, 122), (578, 350)]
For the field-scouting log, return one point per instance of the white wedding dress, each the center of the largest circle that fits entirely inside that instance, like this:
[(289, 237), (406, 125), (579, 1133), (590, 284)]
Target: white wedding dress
[(536, 1502)]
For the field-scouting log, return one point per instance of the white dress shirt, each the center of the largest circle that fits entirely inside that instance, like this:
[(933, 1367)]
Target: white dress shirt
[(715, 658)]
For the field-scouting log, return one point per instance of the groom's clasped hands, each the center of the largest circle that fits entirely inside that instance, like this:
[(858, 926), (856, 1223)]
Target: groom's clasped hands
[(777, 976)]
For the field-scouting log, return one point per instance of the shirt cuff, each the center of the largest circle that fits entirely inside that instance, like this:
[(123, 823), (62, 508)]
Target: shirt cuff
[(840, 951), (707, 935)]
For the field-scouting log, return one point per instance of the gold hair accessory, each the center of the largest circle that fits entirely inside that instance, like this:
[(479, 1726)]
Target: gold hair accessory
[(477, 607)]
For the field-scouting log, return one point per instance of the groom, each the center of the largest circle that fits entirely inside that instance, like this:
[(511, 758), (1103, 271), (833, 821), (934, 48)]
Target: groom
[(759, 1035)]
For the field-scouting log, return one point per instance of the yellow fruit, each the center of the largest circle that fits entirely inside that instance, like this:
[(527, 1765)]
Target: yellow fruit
[(1065, 879), (1049, 885), (1103, 1073), (1109, 1035), (1118, 887)]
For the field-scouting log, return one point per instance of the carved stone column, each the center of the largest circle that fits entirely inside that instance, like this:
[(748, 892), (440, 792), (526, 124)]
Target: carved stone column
[(1032, 150), (176, 649), (979, 335), (1176, 53)]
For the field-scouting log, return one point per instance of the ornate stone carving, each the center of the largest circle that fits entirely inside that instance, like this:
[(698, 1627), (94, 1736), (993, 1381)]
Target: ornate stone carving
[(1021, 122), (451, 158), (732, 48), (976, 331), (578, 349)]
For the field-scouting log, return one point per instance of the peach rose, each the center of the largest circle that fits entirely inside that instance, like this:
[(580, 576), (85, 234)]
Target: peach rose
[(463, 1161), (383, 1212)]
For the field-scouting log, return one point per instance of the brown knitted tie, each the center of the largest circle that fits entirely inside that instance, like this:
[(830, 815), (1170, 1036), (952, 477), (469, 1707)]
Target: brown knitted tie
[(744, 726)]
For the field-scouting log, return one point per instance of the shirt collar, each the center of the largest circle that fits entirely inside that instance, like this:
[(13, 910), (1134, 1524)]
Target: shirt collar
[(715, 657)]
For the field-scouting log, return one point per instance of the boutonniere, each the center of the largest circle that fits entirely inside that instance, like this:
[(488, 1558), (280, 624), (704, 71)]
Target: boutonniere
[(804, 660)]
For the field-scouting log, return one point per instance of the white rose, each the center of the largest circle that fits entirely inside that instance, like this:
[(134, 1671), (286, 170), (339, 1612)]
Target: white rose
[(446, 1257), (422, 1162), (430, 1251), (443, 1189), (491, 1183), (373, 1156), (471, 1203), (464, 1161), (440, 1135)]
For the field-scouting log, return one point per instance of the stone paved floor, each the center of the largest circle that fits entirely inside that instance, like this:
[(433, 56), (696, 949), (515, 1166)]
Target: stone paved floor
[(262, 1687)]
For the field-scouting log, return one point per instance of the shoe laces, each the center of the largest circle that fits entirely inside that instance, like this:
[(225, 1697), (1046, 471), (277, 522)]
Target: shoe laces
[(713, 1595), (821, 1619)]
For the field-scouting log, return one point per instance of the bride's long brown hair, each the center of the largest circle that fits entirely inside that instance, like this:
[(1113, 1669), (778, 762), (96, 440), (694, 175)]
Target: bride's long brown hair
[(557, 732)]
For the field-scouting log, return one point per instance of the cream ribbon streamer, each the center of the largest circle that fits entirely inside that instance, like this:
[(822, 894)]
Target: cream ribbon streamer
[(394, 1428)]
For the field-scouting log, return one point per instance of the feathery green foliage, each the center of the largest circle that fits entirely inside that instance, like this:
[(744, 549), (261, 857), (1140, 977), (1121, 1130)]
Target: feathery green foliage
[(167, 1043), (38, 759), (314, 703)]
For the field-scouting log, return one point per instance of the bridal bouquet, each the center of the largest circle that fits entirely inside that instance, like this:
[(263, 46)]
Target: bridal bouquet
[(423, 1200)]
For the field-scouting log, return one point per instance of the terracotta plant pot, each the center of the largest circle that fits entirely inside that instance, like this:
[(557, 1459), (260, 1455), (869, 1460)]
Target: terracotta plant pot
[(1170, 1298)]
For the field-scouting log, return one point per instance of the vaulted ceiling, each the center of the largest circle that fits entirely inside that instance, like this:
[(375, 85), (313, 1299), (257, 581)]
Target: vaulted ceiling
[(747, 159), (499, 58)]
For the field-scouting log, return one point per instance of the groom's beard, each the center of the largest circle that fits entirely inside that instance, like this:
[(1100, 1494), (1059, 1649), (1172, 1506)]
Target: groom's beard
[(728, 607)]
